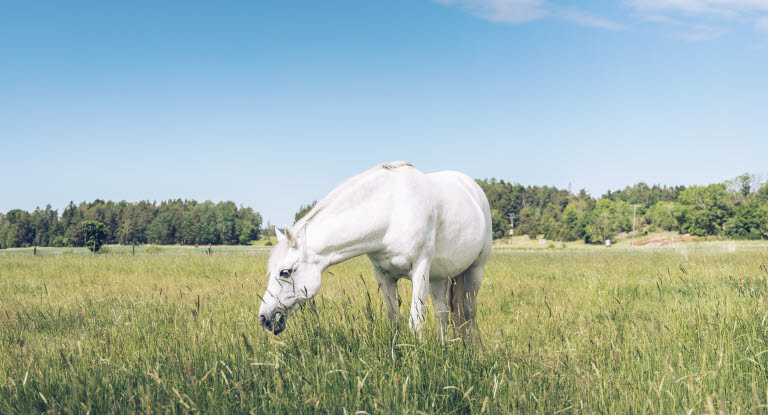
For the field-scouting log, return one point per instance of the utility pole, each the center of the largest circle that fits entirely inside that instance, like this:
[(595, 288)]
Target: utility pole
[(634, 215), (511, 226)]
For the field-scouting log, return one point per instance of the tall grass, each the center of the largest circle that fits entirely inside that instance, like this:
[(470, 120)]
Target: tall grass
[(565, 331)]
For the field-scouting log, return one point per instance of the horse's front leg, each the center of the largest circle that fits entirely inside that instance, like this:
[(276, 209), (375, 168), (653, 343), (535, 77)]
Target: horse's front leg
[(420, 279), (388, 287)]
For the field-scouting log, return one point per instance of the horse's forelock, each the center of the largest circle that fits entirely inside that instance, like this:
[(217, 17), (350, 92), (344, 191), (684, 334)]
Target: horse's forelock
[(277, 254)]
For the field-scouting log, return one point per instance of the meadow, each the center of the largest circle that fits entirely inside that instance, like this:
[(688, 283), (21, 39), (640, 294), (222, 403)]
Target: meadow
[(565, 329)]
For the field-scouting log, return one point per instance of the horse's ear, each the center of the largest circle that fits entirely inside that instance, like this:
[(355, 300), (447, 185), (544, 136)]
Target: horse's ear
[(280, 236), (290, 237)]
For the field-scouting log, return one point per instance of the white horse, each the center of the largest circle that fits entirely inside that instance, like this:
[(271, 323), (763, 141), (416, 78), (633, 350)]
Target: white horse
[(434, 229)]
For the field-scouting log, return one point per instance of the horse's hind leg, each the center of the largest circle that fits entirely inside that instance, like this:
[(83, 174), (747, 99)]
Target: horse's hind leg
[(472, 280), (456, 297), (437, 292)]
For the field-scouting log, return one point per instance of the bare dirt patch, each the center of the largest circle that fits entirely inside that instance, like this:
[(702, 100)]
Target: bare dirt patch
[(665, 240)]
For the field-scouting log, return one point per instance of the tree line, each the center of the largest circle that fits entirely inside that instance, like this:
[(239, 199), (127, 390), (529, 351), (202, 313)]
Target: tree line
[(736, 209), (184, 222)]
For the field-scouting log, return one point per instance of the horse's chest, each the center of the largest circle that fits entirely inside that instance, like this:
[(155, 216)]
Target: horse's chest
[(397, 266)]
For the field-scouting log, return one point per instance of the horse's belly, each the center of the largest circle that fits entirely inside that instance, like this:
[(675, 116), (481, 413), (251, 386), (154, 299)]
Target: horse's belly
[(444, 268), (454, 257)]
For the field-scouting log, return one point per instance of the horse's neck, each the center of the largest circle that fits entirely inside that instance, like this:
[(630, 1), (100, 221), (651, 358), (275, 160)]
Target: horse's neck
[(337, 238)]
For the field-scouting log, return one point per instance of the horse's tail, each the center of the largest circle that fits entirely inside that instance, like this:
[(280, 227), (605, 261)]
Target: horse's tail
[(457, 294)]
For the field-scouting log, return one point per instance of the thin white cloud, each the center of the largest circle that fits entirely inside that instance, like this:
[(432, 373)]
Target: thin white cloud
[(521, 11), (504, 11), (693, 20), (700, 33), (762, 23), (753, 12), (730, 8), (660, 18), (586, 19)]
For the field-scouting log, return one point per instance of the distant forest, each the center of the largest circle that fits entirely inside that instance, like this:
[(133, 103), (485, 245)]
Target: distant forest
[(185, 222), (736, 209)]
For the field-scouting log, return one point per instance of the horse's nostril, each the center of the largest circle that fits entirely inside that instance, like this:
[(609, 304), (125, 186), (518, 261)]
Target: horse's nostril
[(279, 323)]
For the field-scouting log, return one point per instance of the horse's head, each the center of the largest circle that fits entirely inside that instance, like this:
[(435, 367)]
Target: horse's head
[(293, 279)]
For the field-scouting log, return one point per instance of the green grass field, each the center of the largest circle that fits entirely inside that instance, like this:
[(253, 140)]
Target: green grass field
[(566, 330)]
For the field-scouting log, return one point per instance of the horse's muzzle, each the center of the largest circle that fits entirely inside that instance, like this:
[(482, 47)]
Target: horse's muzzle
[(275, 323)]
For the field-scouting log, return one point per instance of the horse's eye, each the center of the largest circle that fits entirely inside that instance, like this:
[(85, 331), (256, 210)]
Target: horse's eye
[(286, 273)]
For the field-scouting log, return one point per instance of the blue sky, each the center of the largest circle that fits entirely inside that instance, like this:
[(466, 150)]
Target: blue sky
[(271, 104)]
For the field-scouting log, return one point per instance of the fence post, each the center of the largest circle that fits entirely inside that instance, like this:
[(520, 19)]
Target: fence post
[(133, 249), (209, 249), (34, 251)]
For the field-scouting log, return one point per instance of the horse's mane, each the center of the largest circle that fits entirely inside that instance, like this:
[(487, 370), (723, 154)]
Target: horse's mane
[(343, 188)]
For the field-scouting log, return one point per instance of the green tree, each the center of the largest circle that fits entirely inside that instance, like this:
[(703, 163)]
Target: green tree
[(570, 223), (762, 195), (247, 214), (750, 221), (206, 231), (226, 212), (743, 188), (623, 215), (303, 210), (529, 222), (551, 222), (246, 232), (3, 231), (160, 231), (499, 224), (94, 234), (661, 216), (599, 224), (16, 229), (187, 229), (703, 210)]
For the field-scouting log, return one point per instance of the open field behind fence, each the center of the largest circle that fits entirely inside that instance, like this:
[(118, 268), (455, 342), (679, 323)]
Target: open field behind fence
[(566, 330)]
